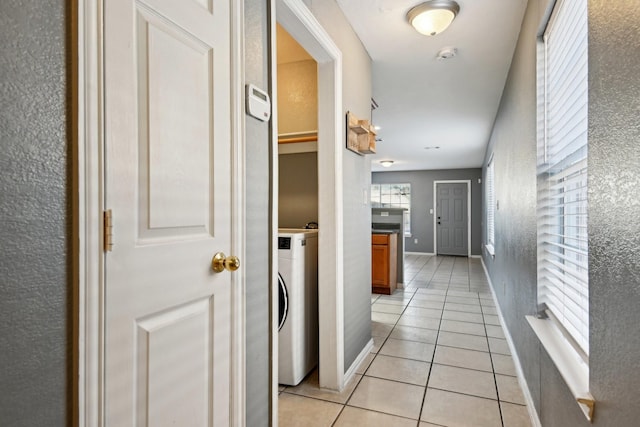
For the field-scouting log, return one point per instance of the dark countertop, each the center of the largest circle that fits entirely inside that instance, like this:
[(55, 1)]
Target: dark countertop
[(384, 232)]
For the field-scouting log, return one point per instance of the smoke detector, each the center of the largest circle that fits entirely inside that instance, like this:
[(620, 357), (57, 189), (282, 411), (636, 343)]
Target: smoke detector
[(447, 53)]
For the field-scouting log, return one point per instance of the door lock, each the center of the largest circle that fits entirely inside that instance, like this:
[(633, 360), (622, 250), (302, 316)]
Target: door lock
[(220, 262)]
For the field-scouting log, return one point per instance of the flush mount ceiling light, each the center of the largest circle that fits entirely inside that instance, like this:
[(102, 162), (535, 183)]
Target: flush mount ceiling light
[(433, 17), (386, 163)]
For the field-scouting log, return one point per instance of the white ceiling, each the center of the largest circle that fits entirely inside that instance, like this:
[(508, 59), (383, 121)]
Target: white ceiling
[(426, 102)]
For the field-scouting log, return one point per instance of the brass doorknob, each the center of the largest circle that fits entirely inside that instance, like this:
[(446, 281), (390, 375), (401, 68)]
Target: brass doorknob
[(220, 262)]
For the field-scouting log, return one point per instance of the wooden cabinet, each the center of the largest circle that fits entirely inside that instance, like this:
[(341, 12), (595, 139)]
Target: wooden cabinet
[(384, 252)]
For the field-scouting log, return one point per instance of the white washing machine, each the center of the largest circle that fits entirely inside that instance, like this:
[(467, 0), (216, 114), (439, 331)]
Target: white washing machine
[(298, 301)]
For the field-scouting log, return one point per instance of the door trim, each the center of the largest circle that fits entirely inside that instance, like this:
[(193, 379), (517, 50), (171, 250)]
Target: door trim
[(88, 204), (435, 212), (298, 20)]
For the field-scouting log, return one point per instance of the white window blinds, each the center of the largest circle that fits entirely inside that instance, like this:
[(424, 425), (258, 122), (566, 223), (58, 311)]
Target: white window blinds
[(490, 204), (562, 172)]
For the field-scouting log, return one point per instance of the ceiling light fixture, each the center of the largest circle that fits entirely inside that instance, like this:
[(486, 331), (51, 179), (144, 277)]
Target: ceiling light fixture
[(386, 163), (433, 17)]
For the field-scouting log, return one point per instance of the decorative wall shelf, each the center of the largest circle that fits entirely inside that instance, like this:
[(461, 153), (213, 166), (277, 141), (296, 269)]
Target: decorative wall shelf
[(361, 136)]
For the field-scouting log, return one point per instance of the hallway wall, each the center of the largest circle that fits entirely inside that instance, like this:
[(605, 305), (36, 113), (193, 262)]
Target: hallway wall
[(258, 221), (614, 217), (35, 215), (356, 178)]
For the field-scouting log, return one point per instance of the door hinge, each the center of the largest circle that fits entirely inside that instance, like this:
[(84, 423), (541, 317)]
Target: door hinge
[(107, 232)]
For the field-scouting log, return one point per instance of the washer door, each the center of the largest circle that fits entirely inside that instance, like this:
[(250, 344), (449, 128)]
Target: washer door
[(283, 302)]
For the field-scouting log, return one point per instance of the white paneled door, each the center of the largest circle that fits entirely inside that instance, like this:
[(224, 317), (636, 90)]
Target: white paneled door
[(167, 353)]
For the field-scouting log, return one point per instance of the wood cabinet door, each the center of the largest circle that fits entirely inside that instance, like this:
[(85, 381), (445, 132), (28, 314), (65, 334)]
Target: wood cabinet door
[(380, 265)]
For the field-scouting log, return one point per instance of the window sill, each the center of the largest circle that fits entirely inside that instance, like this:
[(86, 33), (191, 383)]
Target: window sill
[(490, 250), (573, 369)]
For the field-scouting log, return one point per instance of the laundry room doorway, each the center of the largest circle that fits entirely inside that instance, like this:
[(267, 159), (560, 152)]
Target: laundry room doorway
[(296, 19)]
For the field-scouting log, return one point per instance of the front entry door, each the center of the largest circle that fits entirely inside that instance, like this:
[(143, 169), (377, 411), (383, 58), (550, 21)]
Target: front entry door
[(452, 219), (167, 352)]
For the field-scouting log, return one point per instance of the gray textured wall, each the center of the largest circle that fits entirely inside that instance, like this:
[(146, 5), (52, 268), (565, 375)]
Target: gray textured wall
[(513, 144), (356, 84), (422, 200), (614, 208), (298, 189), (258, 226), (614, 212), (35, 281)]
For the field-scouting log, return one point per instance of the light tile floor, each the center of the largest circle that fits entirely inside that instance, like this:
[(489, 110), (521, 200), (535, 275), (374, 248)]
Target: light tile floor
[(440, 358)]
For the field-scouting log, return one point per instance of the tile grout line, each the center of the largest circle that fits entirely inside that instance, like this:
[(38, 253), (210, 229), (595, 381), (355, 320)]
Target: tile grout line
[(378, 353), (495, 380), (433, 356)]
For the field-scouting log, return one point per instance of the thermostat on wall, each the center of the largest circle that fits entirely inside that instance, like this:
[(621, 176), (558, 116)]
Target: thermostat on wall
[(258, 103)]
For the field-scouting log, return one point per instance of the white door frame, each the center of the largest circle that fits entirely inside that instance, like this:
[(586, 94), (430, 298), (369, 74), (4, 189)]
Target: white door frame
[(435, 212), (296, 18), (88, 202)]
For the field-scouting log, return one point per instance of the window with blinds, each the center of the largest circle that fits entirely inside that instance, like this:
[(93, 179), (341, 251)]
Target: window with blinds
[(490, 206), (562, 172)]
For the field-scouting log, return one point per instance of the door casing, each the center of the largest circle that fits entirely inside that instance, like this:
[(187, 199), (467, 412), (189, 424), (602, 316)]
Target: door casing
[(435, 211), (295, 17), (88, 204)]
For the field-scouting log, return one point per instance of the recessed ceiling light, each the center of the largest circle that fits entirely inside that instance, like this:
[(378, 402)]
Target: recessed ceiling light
[(433, 17), (386, 163)]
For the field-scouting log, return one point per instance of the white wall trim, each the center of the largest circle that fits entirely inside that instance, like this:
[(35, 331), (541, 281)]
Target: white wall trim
[(419, 253), (88, 194), (238, 218), (435, 210), (533, 415), (298, 20), (359, 359), (89, 205), (273, 279)]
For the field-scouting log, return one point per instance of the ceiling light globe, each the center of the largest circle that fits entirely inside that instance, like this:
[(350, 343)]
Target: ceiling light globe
[(433, 17)]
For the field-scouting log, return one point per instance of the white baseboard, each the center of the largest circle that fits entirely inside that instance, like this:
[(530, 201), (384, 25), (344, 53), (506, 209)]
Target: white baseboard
[(476, 256), (419, 253), (535, 419), (352, 369)]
